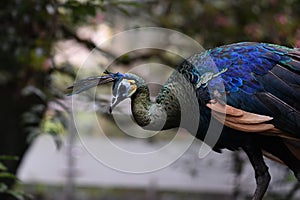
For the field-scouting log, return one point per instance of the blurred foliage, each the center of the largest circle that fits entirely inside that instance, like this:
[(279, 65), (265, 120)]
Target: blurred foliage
[(29, 32), (218, 22), (4, 174)]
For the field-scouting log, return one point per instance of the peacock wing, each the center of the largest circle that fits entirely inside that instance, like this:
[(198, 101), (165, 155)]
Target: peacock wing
[(247, 122), (263, 81)]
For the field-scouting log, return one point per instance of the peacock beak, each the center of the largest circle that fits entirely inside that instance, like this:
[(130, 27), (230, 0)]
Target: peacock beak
[(110, 109), (112, 105), (115, 102)]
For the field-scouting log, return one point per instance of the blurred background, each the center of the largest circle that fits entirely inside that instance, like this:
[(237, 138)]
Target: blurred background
[(42, 45)]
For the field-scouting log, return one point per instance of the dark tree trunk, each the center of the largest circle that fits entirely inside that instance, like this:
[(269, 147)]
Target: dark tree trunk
[(14, 131)]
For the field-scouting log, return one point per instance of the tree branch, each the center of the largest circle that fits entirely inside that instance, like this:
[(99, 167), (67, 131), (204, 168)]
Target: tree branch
[(89, 44)]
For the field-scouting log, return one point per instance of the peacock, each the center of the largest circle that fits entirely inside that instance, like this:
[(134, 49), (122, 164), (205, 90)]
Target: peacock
[(252, 88)]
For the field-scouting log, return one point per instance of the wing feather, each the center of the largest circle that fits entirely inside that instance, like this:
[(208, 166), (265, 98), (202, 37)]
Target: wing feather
[(269, 83), (247, 122)]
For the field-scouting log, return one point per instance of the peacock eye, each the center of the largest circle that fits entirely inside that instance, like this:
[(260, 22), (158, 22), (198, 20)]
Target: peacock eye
[(122, 89)]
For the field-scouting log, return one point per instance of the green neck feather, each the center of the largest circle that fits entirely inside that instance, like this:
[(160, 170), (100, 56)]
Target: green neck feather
[(166, 112), (153, 115)]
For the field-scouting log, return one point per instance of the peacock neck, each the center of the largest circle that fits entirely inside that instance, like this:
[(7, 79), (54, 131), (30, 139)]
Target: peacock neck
[(140, 105), (148, 114), (175, 105)]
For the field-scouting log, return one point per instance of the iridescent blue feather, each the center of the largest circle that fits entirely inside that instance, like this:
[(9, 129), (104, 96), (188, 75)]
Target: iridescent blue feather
[(257, 77)]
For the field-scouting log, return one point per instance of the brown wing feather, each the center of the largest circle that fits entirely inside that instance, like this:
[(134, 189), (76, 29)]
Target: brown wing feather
[(253, 123), (245, 127), (225, 109), (247, 122)]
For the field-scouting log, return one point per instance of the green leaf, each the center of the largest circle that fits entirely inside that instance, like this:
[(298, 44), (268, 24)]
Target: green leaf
[(2, 167), (8, 175), (17, 194), (7, 157), (33, 133), (3, 187)]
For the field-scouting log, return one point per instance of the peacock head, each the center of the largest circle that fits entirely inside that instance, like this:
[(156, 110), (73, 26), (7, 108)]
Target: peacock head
[(123, 88), (125, 85)]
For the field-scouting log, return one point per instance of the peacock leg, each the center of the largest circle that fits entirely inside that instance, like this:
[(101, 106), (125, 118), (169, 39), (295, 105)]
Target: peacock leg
[(262, 175)]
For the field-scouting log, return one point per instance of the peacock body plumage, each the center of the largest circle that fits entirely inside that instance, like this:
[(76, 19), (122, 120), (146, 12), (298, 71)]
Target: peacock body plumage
[(253, 87), (258, 78)]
